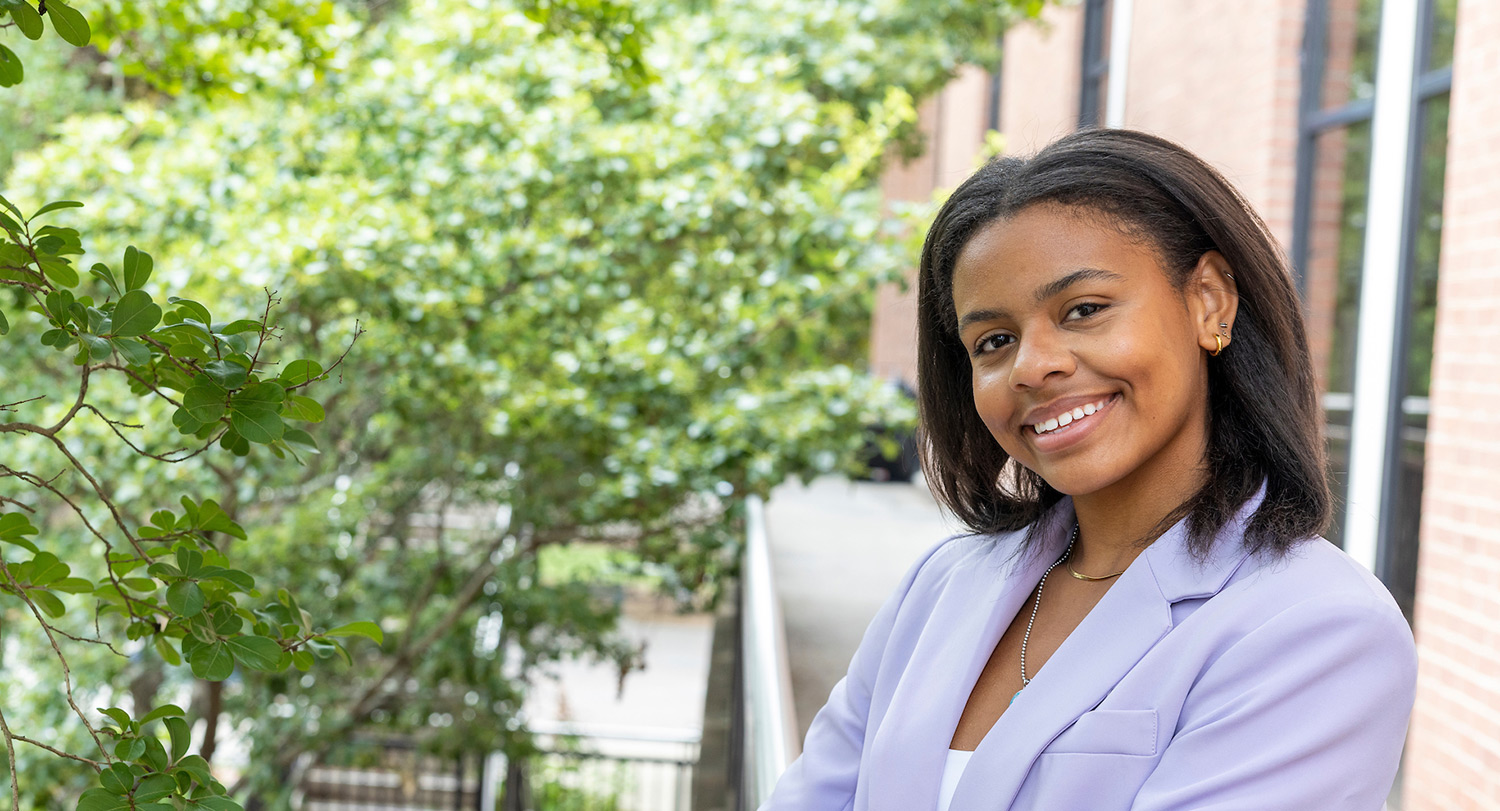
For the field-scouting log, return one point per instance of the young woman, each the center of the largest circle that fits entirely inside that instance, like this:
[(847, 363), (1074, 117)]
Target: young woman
[(1117, 399)]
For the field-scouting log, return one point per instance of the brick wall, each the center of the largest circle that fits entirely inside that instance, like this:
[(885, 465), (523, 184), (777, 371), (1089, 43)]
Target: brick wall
[(1223, 80), (1453, 753), (953, 124), (1039, 79)]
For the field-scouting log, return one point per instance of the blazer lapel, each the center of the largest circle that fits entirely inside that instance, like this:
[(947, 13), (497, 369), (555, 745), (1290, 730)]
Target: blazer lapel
[(906, 758), (1128, 621)]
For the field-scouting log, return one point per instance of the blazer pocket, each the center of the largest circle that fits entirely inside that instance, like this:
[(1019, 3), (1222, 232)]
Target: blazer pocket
[(1109, 732)]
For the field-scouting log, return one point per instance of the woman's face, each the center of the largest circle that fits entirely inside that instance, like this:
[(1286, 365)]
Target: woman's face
[(1088, 365)]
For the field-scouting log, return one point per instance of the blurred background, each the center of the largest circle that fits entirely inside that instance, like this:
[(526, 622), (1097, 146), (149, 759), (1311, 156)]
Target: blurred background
[(619, 458)]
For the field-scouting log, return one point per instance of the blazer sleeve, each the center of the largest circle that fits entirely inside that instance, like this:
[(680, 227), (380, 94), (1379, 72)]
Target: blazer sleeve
[(1309, 710), (824, 776)]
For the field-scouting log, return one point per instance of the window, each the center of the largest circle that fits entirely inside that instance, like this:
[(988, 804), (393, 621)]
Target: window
[(1334, 150), (1092, 95), (1333, 171)]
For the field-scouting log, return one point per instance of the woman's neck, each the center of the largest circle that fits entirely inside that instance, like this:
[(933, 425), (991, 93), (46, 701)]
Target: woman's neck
[(1117, 523)]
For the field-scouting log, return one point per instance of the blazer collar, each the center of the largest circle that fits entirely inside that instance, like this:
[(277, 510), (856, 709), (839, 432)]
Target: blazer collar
[(1127, 622)]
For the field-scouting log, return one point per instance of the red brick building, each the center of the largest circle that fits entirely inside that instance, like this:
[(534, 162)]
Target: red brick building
[(1333, 117)]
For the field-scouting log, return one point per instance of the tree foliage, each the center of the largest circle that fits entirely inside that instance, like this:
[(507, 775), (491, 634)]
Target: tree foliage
[(608, 285)]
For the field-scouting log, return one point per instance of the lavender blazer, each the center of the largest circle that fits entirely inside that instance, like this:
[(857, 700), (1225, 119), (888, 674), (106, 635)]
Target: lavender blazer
[(1250, 683)]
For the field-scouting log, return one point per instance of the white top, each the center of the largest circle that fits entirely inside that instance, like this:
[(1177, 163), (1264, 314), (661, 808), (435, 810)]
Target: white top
[(952, 770)]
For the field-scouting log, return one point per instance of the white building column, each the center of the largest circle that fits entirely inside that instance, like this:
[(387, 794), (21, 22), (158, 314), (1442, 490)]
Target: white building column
[(1119, 62), (1376, 352)]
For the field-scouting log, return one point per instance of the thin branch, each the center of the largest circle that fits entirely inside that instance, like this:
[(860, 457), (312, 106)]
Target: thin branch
[(12, 406), (63, 660), (38, 744), (10, 751)]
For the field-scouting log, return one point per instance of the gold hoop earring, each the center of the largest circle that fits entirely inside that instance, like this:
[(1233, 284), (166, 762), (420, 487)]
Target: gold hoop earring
[(1219, 341)]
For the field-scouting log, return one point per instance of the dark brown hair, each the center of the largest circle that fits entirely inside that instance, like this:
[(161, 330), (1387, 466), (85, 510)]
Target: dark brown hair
[(1264, 424)]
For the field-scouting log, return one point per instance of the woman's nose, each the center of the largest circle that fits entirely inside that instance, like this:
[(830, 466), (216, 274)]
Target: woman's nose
[(1038, 356)]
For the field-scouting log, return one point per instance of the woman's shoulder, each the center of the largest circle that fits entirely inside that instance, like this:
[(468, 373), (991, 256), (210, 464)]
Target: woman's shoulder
[(1314, 581)]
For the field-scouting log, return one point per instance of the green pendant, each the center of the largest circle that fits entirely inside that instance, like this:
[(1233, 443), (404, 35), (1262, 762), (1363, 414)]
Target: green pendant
[(1013, 696)]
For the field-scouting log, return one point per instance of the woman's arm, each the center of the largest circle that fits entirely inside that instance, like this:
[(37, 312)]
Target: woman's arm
[(823, 778), (1308, 711)]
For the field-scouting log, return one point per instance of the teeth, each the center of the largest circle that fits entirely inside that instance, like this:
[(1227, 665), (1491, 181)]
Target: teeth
[(1069, 417)]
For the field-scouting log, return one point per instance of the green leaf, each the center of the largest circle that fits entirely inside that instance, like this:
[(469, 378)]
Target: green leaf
[(60, 204), (165, 650), (133, 352), (240, 580), (48, 602), (185, 598), (181, 736), (26, 19), (135, 314), (72, 585), (260, 426), (303, 408), (98, 349), (369, 630), (45, 568), (155, 787), (196, 767), (11, 71), (256, 652), (204, 401), (102, 272), (300, 371), (234, 443), (164, 711), (191, 309), (212, 662), (260, 396), (68, 23), (226, 373), (97, 799), (137, 268), (156, 754), (119, 716), (300, 440), (302, 660), (190, 561), (218, 804), (4, 324), (237, 327), (130, 748), (59, 271), (117, 779)]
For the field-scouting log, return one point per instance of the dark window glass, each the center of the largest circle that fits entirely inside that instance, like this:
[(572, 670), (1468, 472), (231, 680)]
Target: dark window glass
[(1399, 568), (1444, 25), (1335, 260), (1349, 52), (1093, 93)]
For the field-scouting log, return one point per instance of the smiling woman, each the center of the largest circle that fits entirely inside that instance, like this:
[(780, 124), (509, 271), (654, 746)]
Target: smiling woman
[(1114, 379)]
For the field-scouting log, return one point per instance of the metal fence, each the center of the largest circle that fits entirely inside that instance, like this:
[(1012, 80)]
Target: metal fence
[(575, 769)]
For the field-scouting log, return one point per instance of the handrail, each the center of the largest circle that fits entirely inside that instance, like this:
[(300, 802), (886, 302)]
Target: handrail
[(771, 732)]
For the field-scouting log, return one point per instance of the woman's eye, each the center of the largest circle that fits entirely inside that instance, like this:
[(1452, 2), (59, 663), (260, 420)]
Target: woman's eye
[(991, 343), (1086, 309)]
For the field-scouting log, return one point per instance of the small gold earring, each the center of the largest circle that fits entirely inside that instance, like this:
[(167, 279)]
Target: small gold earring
[(1219, 340)]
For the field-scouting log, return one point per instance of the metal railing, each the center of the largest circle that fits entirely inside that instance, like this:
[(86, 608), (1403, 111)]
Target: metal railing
[(575, 768), (770, 735)]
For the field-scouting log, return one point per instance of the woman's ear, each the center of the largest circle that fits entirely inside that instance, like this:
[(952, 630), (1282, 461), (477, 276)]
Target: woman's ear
[(1213, 299)]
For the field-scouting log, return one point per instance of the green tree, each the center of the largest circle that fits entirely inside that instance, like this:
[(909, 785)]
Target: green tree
[(601, 303)]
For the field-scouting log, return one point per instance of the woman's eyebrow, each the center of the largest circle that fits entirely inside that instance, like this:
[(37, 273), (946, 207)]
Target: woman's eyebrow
[(1042, 293), (1056, 286)]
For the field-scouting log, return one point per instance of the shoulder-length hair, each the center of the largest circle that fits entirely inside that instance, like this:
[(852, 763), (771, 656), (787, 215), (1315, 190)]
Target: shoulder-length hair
[(1264, 423)]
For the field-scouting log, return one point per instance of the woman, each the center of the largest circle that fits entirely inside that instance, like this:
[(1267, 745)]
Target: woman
[(1117, 399)]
